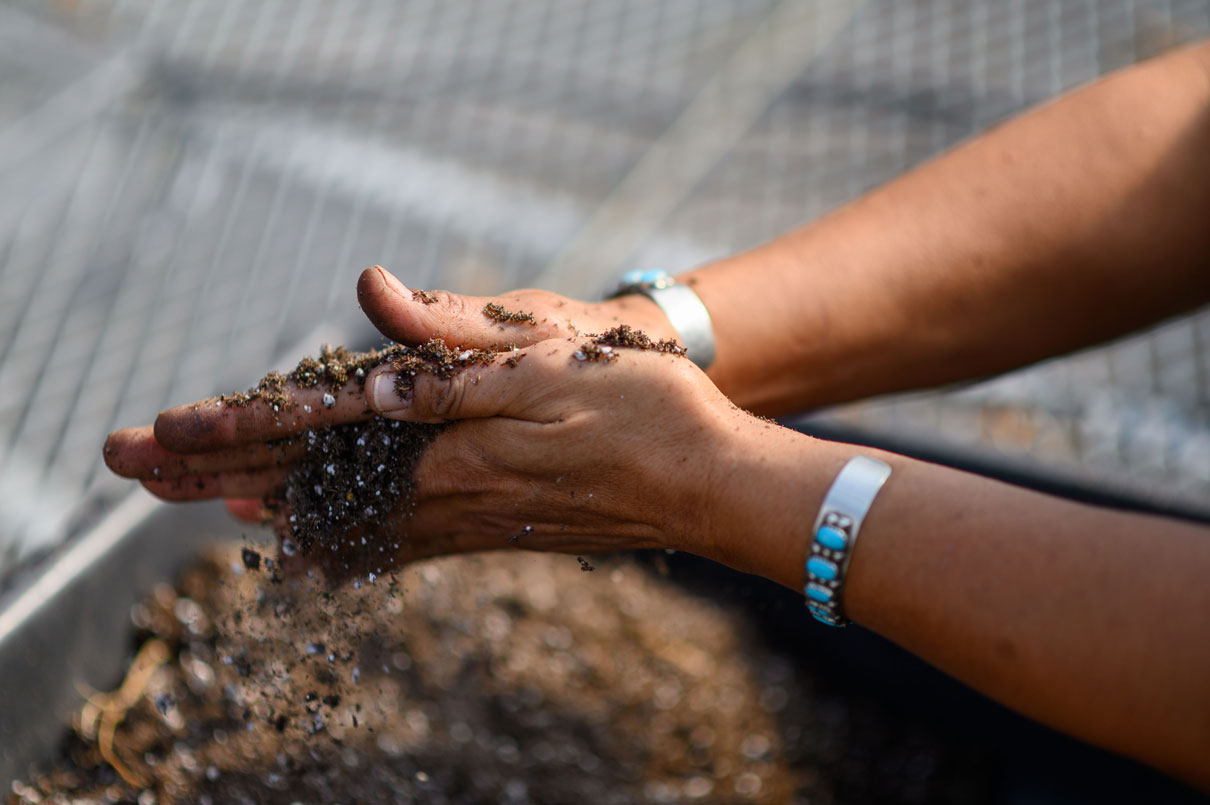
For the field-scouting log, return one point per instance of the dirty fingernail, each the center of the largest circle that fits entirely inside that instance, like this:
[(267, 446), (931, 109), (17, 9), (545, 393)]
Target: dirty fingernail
[(383, 396)]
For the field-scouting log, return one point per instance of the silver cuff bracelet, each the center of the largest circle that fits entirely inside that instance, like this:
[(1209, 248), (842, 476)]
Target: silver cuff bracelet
[(836, 527)]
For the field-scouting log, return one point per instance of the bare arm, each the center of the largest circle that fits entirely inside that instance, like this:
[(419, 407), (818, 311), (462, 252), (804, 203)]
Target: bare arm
[(1082, 220), (1092, 621)]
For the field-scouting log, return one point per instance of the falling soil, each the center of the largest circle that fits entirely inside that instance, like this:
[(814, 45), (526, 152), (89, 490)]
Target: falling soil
[(341, 502), (505, 678)]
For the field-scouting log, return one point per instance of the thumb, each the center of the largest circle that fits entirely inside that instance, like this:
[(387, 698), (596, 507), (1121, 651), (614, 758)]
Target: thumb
[(413, 317)]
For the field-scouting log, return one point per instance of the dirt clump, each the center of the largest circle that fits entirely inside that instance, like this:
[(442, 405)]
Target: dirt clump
[(343, 500), (498, 313), (629, 338), (424, 297)]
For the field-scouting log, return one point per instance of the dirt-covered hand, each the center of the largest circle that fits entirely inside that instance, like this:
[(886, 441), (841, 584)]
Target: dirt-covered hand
[(518, 318), (209, 449), (559, 447)]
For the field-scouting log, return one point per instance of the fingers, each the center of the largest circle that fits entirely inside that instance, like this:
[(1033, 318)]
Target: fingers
[(414, 317), (211, 425), (520, 385), (135, 453), (249, 484)]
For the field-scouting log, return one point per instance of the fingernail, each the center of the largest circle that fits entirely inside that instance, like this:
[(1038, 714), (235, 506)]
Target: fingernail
[(384, 398), (391, 280)]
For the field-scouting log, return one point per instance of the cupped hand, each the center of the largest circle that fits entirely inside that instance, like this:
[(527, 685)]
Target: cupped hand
[(207, 449), (558, 453), (550, 451)]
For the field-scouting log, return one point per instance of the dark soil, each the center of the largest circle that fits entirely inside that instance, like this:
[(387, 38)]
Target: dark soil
[(601, 347), (505, 678), (341, 503), (424, 297), (347, 493), (333, 369), (626, 336), (498, 313)]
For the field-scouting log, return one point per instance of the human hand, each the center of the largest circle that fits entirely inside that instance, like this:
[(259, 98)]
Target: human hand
[(559, 453), (207, 449), (640, 442)]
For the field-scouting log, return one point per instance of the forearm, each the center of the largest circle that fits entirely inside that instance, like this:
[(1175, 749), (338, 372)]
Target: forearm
[(1092, 621), (1082, 220)]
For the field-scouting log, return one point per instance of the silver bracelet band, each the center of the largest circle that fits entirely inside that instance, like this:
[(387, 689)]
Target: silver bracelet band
[(835, 533), (681, 305)]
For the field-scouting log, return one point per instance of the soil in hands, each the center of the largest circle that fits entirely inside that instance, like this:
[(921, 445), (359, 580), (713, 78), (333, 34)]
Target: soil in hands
[(341, 503), (498, 313), (602, 347)]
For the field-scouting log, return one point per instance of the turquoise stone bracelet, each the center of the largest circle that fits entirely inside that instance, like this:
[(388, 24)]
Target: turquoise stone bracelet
[(840, 517)]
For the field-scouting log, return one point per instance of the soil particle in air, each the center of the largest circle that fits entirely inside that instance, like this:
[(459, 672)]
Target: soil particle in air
[(498, 313), (251, 559)]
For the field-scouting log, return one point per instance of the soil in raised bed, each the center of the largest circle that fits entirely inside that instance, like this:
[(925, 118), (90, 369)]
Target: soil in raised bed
[(511, 677)]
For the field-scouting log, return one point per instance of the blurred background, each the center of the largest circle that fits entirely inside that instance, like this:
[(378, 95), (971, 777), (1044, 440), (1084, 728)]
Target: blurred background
[(189, 189)]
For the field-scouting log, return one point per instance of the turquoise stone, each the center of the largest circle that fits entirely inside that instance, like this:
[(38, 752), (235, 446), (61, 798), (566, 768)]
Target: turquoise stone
[(823, 616), (651, 275), (823, 568), (830, 537), (819, 593), (633, 277)]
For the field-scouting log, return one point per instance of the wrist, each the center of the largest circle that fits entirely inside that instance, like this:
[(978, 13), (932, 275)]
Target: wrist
[(775, 481)]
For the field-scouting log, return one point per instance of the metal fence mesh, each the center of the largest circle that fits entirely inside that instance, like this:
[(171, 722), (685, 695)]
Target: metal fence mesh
[(187, 189)]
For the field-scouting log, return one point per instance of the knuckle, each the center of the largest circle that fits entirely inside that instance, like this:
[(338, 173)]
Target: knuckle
[(448, 396), (452, 304)]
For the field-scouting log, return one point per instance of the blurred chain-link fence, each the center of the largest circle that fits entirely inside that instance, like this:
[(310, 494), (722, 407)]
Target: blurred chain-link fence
[(188, 190)]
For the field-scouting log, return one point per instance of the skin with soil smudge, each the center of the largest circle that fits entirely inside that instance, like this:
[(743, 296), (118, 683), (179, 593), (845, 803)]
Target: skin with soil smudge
[(343, 502), (499, 313)]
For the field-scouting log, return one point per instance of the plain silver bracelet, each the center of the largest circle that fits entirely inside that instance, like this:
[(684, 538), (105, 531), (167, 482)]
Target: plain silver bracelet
[(835, 533), (684, 309)]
